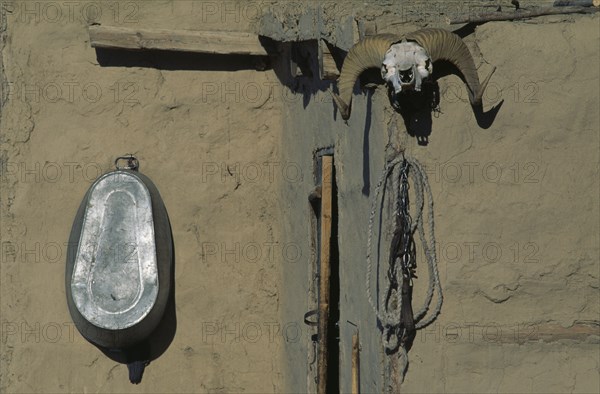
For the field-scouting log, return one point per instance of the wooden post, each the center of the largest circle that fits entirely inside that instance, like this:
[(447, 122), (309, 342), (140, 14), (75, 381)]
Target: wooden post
[(325, 269), (327, 68), (355, 364)]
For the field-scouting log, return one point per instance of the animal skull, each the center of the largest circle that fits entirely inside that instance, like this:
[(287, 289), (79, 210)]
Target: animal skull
[(405, 66), (405, 60)]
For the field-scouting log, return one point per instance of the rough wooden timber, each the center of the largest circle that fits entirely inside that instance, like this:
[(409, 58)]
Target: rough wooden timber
[(212, 42), (325, 259)]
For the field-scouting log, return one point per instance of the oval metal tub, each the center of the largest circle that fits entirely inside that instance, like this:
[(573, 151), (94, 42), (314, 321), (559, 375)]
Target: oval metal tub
[(118, 274)]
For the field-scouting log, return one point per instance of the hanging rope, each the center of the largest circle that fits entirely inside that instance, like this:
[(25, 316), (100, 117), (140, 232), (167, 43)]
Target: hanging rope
[(394, 309)]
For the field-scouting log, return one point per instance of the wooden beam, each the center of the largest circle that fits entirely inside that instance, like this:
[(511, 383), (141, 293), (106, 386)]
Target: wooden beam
[(582, 3), (521, 14), (325, 269), (212, 42)]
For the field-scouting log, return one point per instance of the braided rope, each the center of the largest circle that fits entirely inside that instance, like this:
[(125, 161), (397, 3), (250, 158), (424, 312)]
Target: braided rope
[(403, 361), (390, 317), (420, 179), (382, 182)]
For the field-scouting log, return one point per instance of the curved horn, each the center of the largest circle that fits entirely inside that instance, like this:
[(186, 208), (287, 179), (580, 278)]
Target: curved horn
[(367, 53), (441, 44)]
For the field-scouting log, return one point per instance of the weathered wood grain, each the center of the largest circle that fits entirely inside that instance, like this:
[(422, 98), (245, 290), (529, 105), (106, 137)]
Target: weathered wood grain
[(212, 42)]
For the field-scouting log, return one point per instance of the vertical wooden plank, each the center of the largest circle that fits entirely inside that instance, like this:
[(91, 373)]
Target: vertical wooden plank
[(327, 68), (355, 364), (325, 269)]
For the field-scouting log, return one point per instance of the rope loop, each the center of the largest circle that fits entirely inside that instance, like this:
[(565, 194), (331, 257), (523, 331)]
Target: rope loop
[(401, 172)]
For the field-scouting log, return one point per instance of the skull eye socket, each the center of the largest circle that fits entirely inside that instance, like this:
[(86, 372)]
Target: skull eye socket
[(406, 76), (384, 71)]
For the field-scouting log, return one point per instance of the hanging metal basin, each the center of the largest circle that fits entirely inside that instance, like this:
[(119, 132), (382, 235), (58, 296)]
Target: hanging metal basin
[(118, 274)]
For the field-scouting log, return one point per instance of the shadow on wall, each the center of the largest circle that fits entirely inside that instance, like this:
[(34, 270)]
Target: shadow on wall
[(171, 60), (297, 67)]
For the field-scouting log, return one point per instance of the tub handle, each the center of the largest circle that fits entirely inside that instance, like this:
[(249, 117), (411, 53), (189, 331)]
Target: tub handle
[(132, 163)]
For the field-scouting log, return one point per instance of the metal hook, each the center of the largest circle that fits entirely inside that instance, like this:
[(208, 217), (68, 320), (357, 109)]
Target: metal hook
[(132, 163)]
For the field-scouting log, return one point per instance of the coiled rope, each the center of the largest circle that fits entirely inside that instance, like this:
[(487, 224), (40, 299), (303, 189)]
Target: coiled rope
[(389, 307)]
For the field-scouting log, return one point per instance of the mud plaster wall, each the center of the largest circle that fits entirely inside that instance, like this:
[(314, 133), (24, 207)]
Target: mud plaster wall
[(200, 149), (516, 214), (513, 311)]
